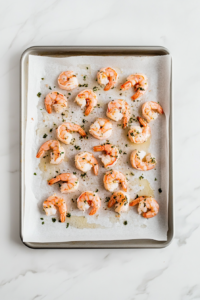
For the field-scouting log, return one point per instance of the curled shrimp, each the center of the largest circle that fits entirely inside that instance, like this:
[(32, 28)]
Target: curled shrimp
[(139, 82), (150, 110), (101, 129), (112, 179), (70, 182), (121, 199), (148, 206), (67, 80), (63, 132), (117, 110), (140, 161), (107, 77), (50, 204), (88, 99), (58, 153), (139, 134), (112, 154), (56, 100), (84, 161), (87, 199)]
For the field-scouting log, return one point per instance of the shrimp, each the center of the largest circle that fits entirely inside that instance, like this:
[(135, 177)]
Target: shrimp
[(140, 161), (139, 82), (58, 153), (139, 134), (117, 110), (57, 100), (88, 99), (67, 80), (121, 199), (112, 154), (108, 77), (84, 161), (101, 129), (87, 199), (50, 204), (112, 179), (63, 132), (148, 206), (150, 110), (70, 184)]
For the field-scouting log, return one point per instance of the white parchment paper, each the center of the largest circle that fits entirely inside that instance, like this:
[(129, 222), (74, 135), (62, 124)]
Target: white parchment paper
[(105, 225)]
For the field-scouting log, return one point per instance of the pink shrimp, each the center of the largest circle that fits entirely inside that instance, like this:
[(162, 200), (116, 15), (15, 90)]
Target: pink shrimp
[(50, 205), (139, 82), (150, 110), (148, 206), (140, 161), (112, 154), (56, 100), (88, 99), (108, 77)]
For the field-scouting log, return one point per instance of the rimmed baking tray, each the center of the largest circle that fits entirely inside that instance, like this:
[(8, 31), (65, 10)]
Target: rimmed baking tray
[(94, 50)]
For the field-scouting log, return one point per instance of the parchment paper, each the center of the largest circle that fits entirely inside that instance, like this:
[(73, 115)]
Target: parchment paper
[(105, 225)]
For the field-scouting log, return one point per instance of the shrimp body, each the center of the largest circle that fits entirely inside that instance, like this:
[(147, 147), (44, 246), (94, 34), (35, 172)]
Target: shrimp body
[(111, 155), (139, 82), (150, 110), (67, 80), (148, 206), (117, 110), (138, 134), (70, 182), (140, 161), (63, 132), (87, 199), (112, 179), (58, 153), (101, 129), (84, 161), (88, 99), (56, 100), (107, 77), (51, 204), (121, 199)]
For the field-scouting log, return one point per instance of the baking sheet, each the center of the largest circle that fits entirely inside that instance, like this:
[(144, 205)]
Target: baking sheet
[(104, 226)]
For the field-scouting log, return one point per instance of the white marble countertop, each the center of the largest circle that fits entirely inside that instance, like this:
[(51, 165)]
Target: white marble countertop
[(170, 273)]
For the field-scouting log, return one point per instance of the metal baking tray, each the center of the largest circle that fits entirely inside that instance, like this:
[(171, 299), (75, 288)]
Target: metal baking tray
[(94, 50)]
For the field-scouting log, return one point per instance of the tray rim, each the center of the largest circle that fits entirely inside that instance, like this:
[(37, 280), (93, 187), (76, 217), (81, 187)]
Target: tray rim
[(139, 50)]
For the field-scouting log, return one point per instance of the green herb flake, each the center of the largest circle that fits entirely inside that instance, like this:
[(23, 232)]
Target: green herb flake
[(39, 94), (125, 222), (160, 190), (67, 225), (34, 173), (42, 223), (44, 136), (53, 220), (68, 215), (50, 130), (141, 177)]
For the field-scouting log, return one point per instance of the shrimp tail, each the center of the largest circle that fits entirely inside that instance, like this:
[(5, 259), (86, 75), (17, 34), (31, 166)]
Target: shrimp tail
[(127, 85), (136, 95), (54, 180), (82, 132), (93, 211), (98, 148), (96, 169), (142, 121), (111, 202)]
